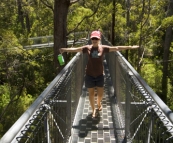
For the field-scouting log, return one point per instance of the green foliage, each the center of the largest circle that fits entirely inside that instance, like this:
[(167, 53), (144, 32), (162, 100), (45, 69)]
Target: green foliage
[(168, 21), (90, 14), (7, 14), (42, 21), (25, 73), (76, 15), (170, 97), (4, 98), (23, 76), (154, 79), (120, 25), (11, 107)]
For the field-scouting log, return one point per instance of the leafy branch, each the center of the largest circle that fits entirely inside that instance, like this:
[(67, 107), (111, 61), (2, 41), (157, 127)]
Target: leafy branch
[(86, 17)]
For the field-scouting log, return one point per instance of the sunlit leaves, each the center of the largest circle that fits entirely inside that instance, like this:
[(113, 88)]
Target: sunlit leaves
[(5, 96), (167, 22), (76, 14)]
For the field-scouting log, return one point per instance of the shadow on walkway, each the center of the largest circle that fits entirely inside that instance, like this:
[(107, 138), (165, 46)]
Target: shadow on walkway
[(88, 124)]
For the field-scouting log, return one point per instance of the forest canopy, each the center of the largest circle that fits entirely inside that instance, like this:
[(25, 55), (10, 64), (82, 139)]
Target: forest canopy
[(24, 73)]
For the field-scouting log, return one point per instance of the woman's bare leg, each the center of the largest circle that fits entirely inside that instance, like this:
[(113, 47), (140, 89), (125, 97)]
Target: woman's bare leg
[(100, 91), (92, 100)]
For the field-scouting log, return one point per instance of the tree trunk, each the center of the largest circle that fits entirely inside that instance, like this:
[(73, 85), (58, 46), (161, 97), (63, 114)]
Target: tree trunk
[(141, 36), (113, 23), (60, 26), (167, 43), (128, 26), (20, 14), (27, 23)]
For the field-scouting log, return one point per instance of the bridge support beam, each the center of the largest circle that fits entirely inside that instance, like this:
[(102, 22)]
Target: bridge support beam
[(69, 111), (150, 127), (127, 108), (46, 127)]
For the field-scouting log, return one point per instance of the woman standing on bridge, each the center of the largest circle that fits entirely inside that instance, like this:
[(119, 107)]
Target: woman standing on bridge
[(94, 70)]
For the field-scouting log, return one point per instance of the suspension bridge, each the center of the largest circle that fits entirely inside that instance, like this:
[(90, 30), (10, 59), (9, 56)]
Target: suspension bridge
[(132, 112)]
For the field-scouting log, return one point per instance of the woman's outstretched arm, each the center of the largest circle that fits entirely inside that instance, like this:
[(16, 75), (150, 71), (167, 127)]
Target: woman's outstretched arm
[(77, 49), (119, 48)]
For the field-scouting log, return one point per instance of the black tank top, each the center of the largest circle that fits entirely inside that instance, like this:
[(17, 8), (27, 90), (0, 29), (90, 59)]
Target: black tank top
[(95, 60)]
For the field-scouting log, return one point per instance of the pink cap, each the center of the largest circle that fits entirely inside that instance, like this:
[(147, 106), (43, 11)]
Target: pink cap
[(96, 34)]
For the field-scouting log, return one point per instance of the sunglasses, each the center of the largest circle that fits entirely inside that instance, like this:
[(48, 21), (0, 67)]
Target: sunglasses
[(94, 39)]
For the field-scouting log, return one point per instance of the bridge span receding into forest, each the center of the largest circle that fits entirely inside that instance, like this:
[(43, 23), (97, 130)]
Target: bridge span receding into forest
[(132, 112)]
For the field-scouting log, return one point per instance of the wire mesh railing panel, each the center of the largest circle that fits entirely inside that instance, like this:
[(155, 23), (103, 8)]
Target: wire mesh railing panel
[(148, 120), (50, 117), (145, 118)]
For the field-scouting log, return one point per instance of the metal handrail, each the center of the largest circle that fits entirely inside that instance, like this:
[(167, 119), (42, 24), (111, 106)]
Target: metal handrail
[(131, 90), (166, 110)]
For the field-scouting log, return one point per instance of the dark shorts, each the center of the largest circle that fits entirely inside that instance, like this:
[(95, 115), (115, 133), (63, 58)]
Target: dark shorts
[(91, 81)]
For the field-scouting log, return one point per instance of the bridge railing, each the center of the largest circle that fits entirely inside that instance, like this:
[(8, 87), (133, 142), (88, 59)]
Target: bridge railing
[(49, 119), (76, 38), (144, 116)]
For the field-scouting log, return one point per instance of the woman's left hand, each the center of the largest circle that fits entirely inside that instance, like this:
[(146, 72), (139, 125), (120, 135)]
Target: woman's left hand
[(135, 46)]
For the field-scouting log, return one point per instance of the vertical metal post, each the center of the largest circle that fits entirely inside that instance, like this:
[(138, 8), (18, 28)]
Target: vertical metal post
[(68, 110), (46, 127), (150, 124), (127, 108)]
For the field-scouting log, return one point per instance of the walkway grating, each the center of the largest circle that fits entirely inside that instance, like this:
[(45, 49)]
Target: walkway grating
[(101, 129)]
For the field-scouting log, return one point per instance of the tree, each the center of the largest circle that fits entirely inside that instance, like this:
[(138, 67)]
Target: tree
[(61, 8), (60, 28), (60, 12), (167, 44)]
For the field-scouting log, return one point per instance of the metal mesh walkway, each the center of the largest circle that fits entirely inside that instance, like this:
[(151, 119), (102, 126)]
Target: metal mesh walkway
[(94, 130)]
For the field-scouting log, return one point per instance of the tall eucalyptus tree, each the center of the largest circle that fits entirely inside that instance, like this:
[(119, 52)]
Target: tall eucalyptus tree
[(61, 9), (167, 45), (60, 26)]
